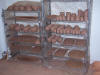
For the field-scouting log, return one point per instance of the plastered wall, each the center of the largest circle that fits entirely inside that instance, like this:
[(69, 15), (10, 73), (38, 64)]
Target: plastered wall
[(2, 35)]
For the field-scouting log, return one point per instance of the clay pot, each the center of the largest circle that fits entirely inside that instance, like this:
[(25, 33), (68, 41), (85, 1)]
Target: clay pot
[(27, 28), (28, 8), (21, 27), (57, 18), (10, 8), (16, 8), (37, 42), (50, 38), (59, 39), (35, 8), (60, 52), (76, 30), (34, 29), (54, 28), (48, 28), (76, 54), (68, 30), (74, 64), (62, 14), (80, 13), (85, 18), (77, 27), (59, 28), (54, 40), (86, 13), (73, 17), (12, 26), (77, 18), (81, 18), (22, 8), (83, 32), (17, 28), (68, 16), (63, 18)]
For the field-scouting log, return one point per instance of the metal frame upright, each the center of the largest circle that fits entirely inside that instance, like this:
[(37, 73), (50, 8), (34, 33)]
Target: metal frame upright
[(47, 11)]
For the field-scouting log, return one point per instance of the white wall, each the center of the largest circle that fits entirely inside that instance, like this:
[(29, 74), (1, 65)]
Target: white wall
[(2, 35), (95, 36), (94, 50)]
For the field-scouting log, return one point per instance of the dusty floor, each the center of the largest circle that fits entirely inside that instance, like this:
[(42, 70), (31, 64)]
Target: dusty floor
[(27, 68)]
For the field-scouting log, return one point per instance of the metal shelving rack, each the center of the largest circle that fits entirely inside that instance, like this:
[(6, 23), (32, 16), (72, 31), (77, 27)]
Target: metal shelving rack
[(6, 14), (86, 49), (46, 46)]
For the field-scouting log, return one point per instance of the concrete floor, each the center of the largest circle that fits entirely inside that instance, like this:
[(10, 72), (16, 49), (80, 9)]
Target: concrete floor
[(28, 68)]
